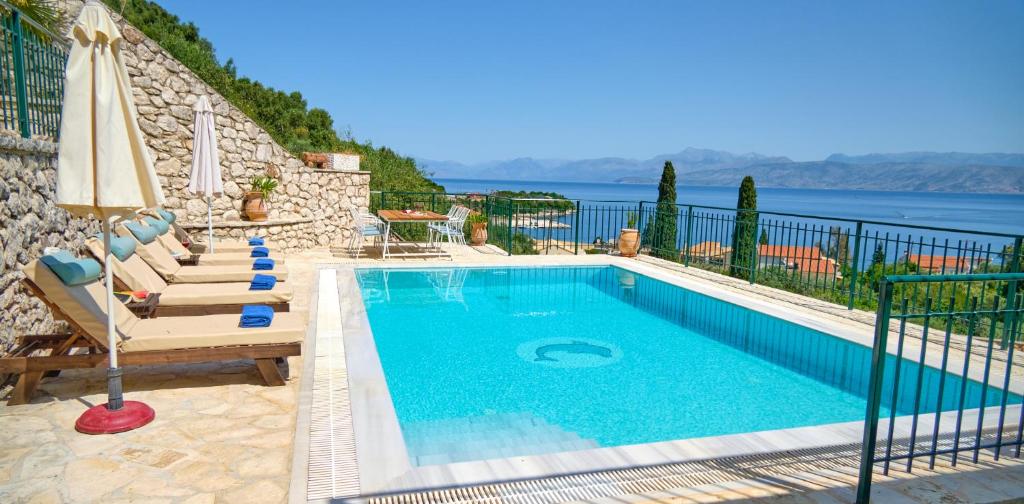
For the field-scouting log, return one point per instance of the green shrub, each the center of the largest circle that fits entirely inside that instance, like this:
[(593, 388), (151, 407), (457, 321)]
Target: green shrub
[(286, 116)]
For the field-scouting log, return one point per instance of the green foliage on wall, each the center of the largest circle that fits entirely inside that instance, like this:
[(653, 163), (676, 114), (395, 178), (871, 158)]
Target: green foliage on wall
[(286, 116)]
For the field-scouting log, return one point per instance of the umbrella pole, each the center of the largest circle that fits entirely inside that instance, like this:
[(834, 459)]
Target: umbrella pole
[(209, 220), (115, 398), (117, 415)]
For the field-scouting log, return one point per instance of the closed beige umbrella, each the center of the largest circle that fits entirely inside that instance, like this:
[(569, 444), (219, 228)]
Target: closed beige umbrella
[(103, 169)]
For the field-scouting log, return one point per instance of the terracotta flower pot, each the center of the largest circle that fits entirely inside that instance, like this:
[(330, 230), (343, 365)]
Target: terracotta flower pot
[(255, 207), (629, 242), (479, 234)]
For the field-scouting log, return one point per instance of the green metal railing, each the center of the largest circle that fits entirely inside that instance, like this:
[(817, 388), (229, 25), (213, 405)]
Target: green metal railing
[(836, 259), (943, 413), (31, 76)]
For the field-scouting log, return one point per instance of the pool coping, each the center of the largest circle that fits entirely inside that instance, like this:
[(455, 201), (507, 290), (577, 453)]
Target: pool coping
[(383, 462)]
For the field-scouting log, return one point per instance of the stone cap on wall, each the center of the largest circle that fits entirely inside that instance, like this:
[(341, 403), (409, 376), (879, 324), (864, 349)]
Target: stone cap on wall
[(245, 224)]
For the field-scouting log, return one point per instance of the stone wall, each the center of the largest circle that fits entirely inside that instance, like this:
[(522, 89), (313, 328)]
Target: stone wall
[(29, 222), (165, 92)]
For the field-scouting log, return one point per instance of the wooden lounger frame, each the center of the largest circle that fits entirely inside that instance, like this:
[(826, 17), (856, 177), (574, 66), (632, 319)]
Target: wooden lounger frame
[(31, 368), (191, 310)]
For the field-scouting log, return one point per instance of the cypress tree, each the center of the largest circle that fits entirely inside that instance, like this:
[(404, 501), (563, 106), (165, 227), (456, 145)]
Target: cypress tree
[(744, 234), (663, 236)]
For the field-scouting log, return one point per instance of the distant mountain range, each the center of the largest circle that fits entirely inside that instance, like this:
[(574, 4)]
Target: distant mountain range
[(909, 171)]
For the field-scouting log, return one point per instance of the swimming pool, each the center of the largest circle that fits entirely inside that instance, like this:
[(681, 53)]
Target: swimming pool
[(485, 363)]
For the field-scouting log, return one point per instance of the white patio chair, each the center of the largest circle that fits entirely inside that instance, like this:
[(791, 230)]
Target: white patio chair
[(434, 227), (452, 229), (364, 225)]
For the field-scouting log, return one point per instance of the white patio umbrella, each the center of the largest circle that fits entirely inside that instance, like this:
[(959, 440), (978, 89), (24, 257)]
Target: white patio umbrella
[(103, 169), (205, 176)]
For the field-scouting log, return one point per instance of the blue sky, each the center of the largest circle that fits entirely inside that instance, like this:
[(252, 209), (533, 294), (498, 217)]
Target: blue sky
[(481, 80)]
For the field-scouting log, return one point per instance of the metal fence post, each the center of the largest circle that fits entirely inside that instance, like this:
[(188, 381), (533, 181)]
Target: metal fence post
[(855, 268), (21, 91), (508, 235), (640, 225), (874, 399), (689, 233), (433, 202), (1011, 295), (576, 246), (753, 251)]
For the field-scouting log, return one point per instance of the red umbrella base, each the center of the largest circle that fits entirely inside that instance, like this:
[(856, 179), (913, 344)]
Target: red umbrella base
[(100, 420)]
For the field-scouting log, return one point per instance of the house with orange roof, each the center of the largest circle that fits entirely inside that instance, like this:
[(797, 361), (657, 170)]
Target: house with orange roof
[(943, 264), (806, 260), (710, 251)]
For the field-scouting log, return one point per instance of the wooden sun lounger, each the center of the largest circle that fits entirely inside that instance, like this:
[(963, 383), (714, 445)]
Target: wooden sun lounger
[(31, 367), (136, 274)]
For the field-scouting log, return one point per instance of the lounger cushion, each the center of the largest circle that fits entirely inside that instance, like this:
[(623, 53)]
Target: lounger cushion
[(163, 263), (236, 246), (133, 271), (169, 242), (175, 247), (85, 304), (70, 269), (228, 258), (170, 217), (160, 225), (222, 293), (207, 331), (211, 274), (144, 234)]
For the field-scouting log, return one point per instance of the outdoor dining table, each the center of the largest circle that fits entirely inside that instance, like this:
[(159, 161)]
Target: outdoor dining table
[(425, 217)]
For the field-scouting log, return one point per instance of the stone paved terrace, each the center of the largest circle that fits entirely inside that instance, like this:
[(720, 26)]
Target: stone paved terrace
[(221, 436)]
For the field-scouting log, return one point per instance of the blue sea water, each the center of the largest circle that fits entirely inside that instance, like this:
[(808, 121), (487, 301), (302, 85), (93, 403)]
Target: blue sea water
[(1000, 213), (496, 362)]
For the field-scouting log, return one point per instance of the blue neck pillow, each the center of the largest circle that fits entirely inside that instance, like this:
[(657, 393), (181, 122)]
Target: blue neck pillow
[(142, 233), (121, 246), (167, 216), (71, 270), (160, 225)]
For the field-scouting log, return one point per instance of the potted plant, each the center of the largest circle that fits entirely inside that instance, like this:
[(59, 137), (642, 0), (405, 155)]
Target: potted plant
[(629, 237), (478, 225), (257, 196)]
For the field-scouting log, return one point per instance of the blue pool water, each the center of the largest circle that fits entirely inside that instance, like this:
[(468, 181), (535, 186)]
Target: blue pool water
[(496, 362)]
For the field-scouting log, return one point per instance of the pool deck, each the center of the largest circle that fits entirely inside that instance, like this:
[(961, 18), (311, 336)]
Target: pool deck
[(221, 436)]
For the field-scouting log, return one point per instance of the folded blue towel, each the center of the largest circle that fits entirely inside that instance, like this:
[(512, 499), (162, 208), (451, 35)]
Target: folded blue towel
[(255, 241), (256, 316), (263, 263), (263, 282), (260, 252)]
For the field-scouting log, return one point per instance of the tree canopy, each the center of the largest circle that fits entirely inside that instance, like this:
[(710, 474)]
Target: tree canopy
[(285, 115), (744, 234)]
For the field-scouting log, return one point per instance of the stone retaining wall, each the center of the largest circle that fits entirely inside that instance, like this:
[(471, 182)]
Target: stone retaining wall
[(29, 222), (165, 92)]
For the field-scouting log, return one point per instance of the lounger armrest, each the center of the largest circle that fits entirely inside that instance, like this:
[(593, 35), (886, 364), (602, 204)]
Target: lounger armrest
[(147, 307), (188, 261)]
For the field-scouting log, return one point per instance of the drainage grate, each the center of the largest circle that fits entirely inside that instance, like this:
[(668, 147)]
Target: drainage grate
[(797, 470), (333, 471)]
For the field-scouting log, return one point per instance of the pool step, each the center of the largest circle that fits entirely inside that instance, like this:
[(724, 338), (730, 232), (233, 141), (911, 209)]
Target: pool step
[(487, 437)]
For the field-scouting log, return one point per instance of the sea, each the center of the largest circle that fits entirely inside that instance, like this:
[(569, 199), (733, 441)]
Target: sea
[(969, 212), (998, 213)]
